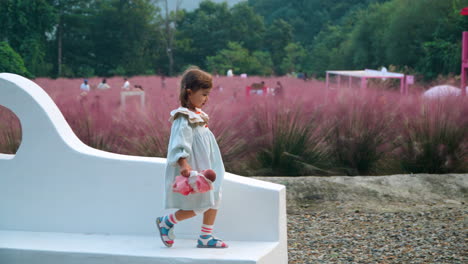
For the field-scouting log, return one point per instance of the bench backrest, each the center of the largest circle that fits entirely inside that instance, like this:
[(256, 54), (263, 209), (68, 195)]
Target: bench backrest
[(56, 183)]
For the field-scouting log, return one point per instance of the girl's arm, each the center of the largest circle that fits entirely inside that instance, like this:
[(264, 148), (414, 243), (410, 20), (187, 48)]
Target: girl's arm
[(184, 167), (180, 143)]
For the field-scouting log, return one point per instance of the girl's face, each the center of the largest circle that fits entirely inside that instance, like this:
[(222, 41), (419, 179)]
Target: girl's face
[(199, 98)]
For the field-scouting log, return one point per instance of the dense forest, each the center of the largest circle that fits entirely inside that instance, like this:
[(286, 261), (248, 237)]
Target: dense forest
[(83, 38)]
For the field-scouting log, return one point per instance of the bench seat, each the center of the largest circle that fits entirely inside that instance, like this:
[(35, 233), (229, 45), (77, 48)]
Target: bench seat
[(17, 247)]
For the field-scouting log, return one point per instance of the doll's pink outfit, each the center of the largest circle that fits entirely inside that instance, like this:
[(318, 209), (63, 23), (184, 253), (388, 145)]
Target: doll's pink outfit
[(195, 183)]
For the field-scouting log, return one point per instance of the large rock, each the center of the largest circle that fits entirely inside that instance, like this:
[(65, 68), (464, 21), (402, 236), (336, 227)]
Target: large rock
[(442, 91)]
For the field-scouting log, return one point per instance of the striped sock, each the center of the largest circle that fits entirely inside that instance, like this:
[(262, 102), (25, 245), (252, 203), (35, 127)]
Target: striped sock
[(170, 220), (206, 230)]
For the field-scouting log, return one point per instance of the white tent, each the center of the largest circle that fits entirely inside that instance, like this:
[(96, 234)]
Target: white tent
[(368, 74)]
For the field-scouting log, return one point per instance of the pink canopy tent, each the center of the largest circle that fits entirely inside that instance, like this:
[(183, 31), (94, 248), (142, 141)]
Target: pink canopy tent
[(369, 74)]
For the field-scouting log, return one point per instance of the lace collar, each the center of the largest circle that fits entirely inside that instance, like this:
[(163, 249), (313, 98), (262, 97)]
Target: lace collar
[(198, 117)]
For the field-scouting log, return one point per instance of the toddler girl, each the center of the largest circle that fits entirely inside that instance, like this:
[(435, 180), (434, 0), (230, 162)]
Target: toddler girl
[(192, 146)]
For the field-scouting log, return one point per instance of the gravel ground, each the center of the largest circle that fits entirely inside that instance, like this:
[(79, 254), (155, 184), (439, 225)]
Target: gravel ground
[(334, 232)]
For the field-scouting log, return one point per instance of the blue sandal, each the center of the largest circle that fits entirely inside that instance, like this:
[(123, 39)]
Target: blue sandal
[(166, 232), (209, 241)]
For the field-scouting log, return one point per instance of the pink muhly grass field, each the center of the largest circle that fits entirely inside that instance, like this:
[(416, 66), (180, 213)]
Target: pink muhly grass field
[(306, 131)]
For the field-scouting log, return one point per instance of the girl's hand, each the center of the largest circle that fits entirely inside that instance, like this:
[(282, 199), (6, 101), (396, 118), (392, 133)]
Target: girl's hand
[(184, 167), (185, 171)]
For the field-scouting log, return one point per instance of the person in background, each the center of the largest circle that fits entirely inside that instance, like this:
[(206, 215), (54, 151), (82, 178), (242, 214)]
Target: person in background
[(137, 86), (126, 85), (278, 89), (85, 86), (163, 81), (103, 85)]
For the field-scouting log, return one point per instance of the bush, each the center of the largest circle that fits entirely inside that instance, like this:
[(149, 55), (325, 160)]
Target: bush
[(359, 134), (91, 126), (233, 143), (148, 137), (288, 142), (302, 132), (11, 62), (436, 140), (440, 57)]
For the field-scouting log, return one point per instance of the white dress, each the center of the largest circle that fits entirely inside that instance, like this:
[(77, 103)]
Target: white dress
[(192, 139)]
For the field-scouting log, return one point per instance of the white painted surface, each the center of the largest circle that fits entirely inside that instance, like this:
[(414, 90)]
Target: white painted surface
[(57, 184), (85, 247)]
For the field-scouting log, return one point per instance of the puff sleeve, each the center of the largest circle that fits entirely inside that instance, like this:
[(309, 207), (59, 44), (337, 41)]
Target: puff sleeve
[(180, 141)]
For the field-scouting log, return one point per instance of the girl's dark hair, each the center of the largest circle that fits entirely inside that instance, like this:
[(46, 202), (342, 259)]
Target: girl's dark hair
[(194, 79)]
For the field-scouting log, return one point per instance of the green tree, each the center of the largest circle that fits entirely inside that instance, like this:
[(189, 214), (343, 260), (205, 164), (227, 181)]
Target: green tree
[(367, 41), (71, 45), (439, 58), (240, 60), (278, 36), (11, 61), (24, 25), (261, 64), (295, 59), (442, 54), (122, 35), (208, 27), (246, 27), (403, 46), (326, 52), (307, 17), (378, 35), (168, 29)]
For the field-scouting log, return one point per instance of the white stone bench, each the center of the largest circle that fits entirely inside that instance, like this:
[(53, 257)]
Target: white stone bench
[(64, 202)]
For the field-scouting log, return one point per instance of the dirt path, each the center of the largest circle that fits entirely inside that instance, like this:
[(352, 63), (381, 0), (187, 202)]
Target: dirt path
[(384, 219)]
